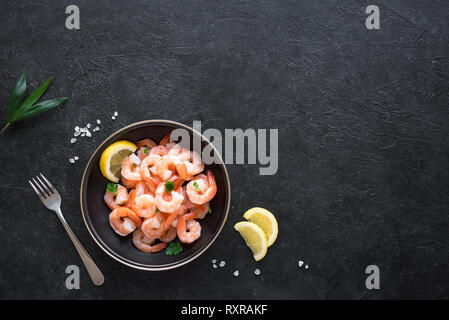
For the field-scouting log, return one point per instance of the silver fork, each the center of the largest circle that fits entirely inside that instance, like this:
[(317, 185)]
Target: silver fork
[(51, 199)]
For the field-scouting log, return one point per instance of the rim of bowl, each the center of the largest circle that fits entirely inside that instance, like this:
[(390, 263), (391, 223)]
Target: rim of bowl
[(197, 254)]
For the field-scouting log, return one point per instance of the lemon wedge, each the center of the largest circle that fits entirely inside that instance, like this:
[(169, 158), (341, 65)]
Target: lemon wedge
[(265, 220), (112, 157), (254, 237)]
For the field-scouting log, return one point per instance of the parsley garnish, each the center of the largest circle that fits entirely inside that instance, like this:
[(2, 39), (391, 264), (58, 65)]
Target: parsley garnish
[(173, 248), (135, 165), (209, 210), (157, 210), (145, 150), (112, 187), (169, 186), (196, 186)]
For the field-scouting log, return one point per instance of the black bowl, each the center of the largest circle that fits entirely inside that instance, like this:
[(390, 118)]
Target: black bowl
[(96, 213)]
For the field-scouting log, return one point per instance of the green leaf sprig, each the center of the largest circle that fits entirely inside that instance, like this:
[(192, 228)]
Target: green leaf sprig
[(169, 186), (18, 109), (173, 248)]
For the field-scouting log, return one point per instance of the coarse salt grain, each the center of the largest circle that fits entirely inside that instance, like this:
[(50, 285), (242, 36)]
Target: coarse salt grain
[(71, 160), (236, 273), (76, 157), (222, 264), (77, 128), (214, 266), (98, 121), (257, 272), (73, 140), (115, 113), (214, 260), (300, 263), (113, 118), (88, 125), (307, 266)]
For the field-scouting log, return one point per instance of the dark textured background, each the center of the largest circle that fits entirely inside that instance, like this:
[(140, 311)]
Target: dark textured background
[(363, 125)]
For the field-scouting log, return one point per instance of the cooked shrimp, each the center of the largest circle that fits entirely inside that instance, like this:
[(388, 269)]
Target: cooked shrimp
[(165, 139), (153, 227), (171, 217), (164, 168), (130, 168), (115, 200), (188, 229), (145, 170), (168, 202), (144, 205), (128, 184), (145, 244), (159, 150), (124, 221), (201, 210), (141, 188), (145, 146), (202, 188), (190, 166), (169, 235)]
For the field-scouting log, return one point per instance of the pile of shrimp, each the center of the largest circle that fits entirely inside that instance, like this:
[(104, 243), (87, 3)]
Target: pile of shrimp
[(162, 193)]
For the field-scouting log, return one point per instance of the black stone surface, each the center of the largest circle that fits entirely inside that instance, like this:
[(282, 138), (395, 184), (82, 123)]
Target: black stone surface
[(363, 149)]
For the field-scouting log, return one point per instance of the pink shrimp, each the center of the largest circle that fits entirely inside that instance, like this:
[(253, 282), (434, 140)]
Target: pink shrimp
[(115, 200), (145, 244), (130, 168), (168, 202), (164, 168), (124, 221), (169, 235), (145, 170), (159, 150), (201, 210), (165, 139), (153, 227), (190, 166), (188, 229), (144, 206), (128, 184), (202, 188), (141, 188), (145, 146)]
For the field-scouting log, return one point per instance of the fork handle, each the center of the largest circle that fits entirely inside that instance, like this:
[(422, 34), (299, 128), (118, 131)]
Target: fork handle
[(94, 272)]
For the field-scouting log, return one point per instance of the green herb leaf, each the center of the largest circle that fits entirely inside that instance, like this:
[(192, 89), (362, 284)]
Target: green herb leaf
[(145, 150), (17, 95), (196, 186), (135, 165), (112, 187), (209, 210), (169, 186), (19, 110), (157, 210), (173, 248)]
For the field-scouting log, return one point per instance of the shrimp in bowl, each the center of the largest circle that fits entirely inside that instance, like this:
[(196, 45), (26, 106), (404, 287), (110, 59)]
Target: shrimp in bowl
[(162, 197)]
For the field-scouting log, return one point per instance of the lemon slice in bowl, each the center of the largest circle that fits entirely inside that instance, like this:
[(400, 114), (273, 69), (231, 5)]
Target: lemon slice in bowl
[(254, 237), (265, 220), (112, 157)]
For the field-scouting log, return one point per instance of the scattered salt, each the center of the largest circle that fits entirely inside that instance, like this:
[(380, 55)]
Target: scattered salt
[(77, 128), (76, 157), (73, 140), (83, 134), (98, 121), (214, 260), (257, 272), (88, 125), (95, 129), (76, 133), (71, 160), (300, 263), (307, 266), (88, 134), (222, 264), (113, 118), (115, 114), (236, 273), (214, 266)]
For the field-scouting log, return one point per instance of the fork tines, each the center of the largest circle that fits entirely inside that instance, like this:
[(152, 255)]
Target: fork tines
[(43, 189)]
